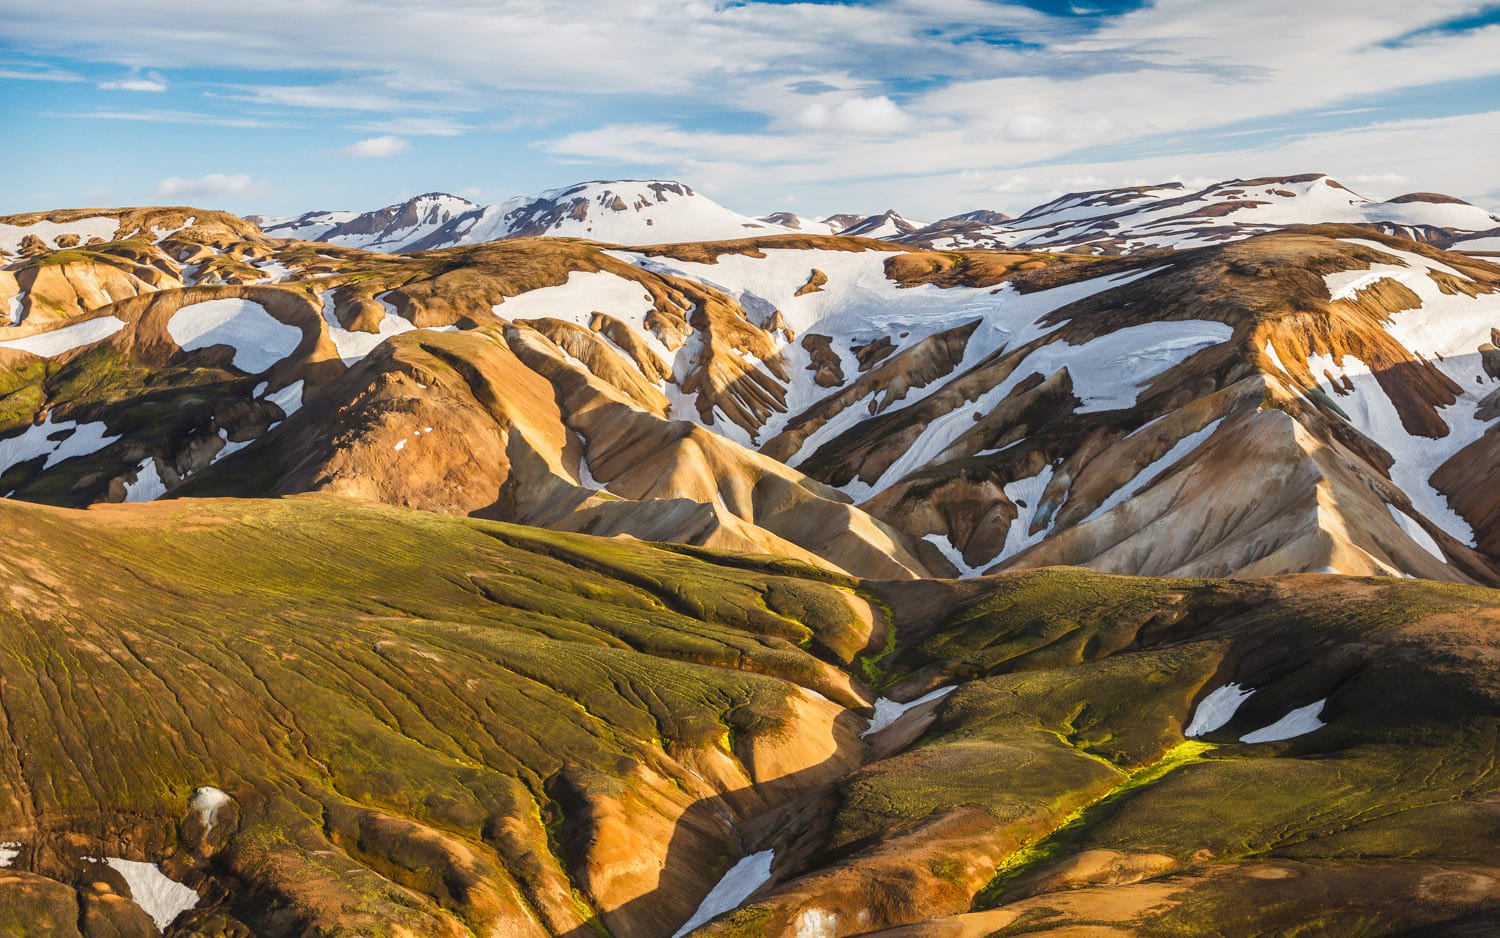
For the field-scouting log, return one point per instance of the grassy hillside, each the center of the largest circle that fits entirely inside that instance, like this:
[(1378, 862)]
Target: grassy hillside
[(430, 725)]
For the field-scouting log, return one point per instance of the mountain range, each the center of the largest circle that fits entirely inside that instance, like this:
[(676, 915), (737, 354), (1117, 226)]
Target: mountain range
[(608, 562), (1108, 221)]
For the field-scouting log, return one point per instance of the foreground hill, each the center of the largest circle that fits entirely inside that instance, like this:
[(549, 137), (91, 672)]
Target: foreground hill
[(1320, 399), (315, 716)]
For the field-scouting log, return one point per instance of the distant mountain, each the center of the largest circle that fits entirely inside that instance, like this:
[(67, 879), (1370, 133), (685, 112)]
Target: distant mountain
[(626, 212), (887, 226), (391, 229), (1126, 220), (1106, 221)]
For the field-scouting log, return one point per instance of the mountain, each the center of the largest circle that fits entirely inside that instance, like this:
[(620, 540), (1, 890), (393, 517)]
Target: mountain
[(791, 584), (886, 226), (875, 409), (626, 212), (393, 228), (1123, 221)]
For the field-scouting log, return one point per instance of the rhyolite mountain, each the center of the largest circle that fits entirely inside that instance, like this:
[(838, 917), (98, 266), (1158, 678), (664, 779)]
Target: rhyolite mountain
[(769, 582), (1106, 221)]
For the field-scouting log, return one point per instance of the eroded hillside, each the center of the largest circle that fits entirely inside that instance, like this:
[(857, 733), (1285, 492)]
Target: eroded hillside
[(1310, 400), (319, 716)]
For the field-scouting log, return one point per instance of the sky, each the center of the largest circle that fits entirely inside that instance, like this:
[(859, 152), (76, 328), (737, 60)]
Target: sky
[(931, 107)]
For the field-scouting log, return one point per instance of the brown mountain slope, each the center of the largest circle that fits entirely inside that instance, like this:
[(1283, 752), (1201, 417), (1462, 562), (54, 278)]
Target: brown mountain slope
[(976, 407)]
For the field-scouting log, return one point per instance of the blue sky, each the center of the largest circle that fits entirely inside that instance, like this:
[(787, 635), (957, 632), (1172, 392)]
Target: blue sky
[(928, 106)]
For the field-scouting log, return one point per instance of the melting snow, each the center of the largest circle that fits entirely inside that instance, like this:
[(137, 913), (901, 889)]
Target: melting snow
[(954, 555), (400, 445), (353, 346), (163, 899), (888, 712), (9, 850), (99, 226), (1160, 465), (1027, 495), (36, 440), (207, 801), (148, 485), (1299, 722), (16, 310), (817, 923), (57, 341), (1217, 709), (1416, 532), (1107, 374), (746, 876), (259, 339), (1416, 457), (289, 398)]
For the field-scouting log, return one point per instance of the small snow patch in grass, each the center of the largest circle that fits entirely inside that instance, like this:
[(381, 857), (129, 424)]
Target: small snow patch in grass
[(401, 445), (259, 339), (746, 876), (163, 899), (9, 850), (68, 338), (207, 801), (1299, 722), (1217, 709), (817, 923), (887, 712)]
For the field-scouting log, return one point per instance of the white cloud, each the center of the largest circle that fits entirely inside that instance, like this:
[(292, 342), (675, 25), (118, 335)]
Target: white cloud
[(209, 186), (877, 115), (374, 147), (417, 126), (163, 116), (150, 83)]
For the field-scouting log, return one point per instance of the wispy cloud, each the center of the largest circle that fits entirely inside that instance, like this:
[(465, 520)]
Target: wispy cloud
[(210, 186), (148, 83), (375, 147), (165, 116)]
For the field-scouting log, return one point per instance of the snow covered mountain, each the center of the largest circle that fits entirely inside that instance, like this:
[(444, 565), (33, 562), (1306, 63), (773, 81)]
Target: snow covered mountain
[(391, 229), (626, 212), (1122, 221)]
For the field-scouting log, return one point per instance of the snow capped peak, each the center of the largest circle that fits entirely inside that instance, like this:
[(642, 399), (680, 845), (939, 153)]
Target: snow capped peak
[(888, 224)]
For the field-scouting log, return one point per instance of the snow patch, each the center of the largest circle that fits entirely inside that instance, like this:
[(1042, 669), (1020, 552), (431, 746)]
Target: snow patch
[(746, 876), (1416, 532), (954, 555), (207, 801), (887, 712), (400, 445), (163, 899), (259, 339), (148, 485), (58, 341), (72, 439), (98, 226), (289, 398), (1217, 709), (1299, 722), (1027, 495), (9, 850), (817, 923), (353, 346), (1156, 468)]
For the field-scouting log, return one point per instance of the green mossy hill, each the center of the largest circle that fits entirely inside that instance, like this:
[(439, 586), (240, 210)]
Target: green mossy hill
[(1062, 757), (400, 704)]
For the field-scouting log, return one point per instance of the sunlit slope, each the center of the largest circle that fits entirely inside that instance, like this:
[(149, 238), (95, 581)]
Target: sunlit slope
[(425, 724)]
